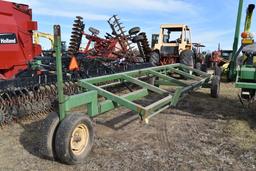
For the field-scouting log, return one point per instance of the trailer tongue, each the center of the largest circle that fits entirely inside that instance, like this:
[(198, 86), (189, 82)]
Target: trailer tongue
[(70, 135)]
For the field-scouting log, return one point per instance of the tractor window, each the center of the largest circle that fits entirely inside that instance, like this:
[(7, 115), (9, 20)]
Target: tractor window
[(154, 40), (226, 54), (172, 35), (188, 36)]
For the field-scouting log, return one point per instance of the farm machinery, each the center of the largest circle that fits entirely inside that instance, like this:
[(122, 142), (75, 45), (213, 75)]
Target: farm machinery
[(242, 69), (28, 78), (17, 46), (68, 134), (223, 58), (173, 45), (37, 35), (172, 40), (109, 72), (117, 45), (246, 70)]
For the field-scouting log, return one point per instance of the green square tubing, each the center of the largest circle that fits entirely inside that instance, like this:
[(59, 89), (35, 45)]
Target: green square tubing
[(143, 84), (185, 74), (89, 98), (57, 48), (109, 104), (167, 78), (116, 99)]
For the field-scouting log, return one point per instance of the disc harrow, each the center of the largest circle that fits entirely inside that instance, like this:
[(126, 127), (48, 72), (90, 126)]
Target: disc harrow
[(24, 103), (24, 100), (118, 30)]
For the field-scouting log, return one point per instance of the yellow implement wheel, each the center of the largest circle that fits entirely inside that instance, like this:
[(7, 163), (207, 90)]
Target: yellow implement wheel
[(79, 139), (74, 138)]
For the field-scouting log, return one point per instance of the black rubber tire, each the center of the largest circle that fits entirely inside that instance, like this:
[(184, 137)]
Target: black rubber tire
[(204, 67), (154, 58), (186, 57), (228, 76), (215, 86), (48, 130), (134, 30), (139, 60), (198, 66), (138, 38), (217, 71), (63, 137)]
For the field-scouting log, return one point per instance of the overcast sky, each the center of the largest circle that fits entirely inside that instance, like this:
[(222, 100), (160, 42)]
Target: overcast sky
[(211, 21)]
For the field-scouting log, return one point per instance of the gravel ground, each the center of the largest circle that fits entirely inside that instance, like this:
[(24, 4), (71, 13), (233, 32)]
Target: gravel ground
[(202, 133)]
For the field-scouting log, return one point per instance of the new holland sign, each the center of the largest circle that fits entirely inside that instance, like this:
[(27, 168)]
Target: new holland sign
[(8, 38)]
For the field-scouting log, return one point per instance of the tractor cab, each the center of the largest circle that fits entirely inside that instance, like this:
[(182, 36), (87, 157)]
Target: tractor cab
[(171, 41)]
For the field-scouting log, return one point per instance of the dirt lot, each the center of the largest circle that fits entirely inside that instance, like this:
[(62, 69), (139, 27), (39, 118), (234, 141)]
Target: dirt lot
[(202, 133)]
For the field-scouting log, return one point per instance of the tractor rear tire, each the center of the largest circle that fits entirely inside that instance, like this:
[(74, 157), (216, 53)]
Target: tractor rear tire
[(74, 138), (204, 67), (198, 66), (48, 130), (139, 60), (186, 58), (134, 30), (154, 58), (215, 86), (217, 71)]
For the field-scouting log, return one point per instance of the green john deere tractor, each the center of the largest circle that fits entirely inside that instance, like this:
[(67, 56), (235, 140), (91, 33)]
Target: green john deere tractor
[(243, 68)]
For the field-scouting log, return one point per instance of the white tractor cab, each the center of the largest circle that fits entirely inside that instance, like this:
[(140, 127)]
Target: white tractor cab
[(174, 44)]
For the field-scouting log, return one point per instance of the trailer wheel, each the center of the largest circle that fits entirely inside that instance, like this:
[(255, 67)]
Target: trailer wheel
[(48, 129), (215, 87), (74, 138)]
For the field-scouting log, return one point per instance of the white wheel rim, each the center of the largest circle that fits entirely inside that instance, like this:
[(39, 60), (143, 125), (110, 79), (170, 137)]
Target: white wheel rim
[(79, 139)]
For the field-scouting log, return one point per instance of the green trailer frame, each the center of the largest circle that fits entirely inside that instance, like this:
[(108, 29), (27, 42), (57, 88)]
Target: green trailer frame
[(95, 94), (92, 91)]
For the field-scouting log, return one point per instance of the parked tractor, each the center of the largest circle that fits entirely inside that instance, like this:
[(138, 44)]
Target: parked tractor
[(246, 64), (173, 44), (200, 61)]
